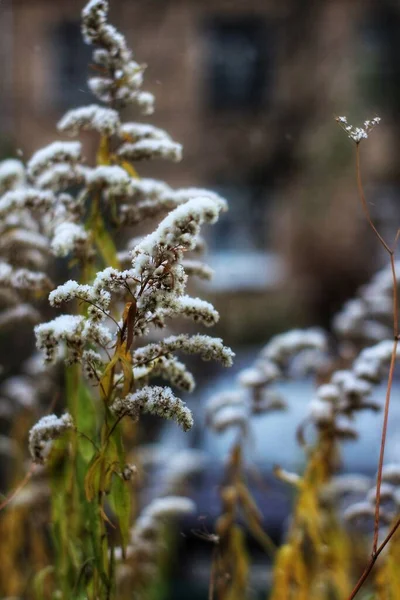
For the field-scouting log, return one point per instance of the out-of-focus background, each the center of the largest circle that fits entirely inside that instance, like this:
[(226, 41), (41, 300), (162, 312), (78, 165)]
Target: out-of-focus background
[(251, 89)]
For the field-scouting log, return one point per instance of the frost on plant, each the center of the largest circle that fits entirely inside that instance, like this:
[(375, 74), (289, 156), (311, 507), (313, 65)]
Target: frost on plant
[(115, 308), (357, 134)]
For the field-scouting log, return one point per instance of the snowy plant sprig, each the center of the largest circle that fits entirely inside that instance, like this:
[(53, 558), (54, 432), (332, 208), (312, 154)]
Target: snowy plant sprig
[(256, 394), (368, 317), (153, 290), (44, 432), (357, 134)]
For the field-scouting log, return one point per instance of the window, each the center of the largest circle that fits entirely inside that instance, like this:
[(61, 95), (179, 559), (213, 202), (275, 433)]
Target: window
[(70, 69), (237, 63), (244, 225), (238, 242)]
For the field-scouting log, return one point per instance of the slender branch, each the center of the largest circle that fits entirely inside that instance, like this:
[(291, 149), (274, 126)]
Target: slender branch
[(88, 439), (373, 560), (395, 298), (382, 448), (375, 549), (100, 309)]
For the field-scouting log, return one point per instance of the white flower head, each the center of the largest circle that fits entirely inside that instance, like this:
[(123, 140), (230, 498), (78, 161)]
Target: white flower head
[(357, 134), (44, 432)]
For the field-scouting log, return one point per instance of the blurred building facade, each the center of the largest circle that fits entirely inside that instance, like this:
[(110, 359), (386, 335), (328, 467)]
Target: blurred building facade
[(251, 89)]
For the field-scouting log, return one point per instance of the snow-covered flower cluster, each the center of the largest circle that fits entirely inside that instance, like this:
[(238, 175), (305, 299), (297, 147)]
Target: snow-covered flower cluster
[(368, 318), (118, 306), (155, 400), (24, 250), (123, 77), (358, 133), (256, 394), (146, 536), (156, 282), (362, 511), (62, 204), (44, 432)]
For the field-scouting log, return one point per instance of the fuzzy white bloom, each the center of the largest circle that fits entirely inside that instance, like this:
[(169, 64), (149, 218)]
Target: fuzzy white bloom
[(98, 118), (222, 400), (19, 220), (113, 178), (101, 87), (155, 400), (20, 390), (12, 174), (285, 346), (387, 493), (328, 392), (59, 177), (254, 377), (23, 279), (92, 365), (57, 152), (364, 510), (151, 189), (173, 371), (320, 412), (351, 385), (342, 485), (112, 279), (94, 15), (113, 54), (98, 300), (183, 195), (196, 309), (147, 530), (93, 331), (151, 148), (65, 328), (368, 318), (148, 197), (138, 131), (69, 238), (344, 429), (64, 293), (372, 362), (358, 133), (391, 473), (23, 239), (176, 232), (206, 347), (144, 101), (169, 506), (179, 467), (30, 198), (44, 432), (230, 416), (15, 314)]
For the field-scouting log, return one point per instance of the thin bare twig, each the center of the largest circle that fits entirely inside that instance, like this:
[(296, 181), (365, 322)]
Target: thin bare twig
[(373, 560), (375, 549)]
